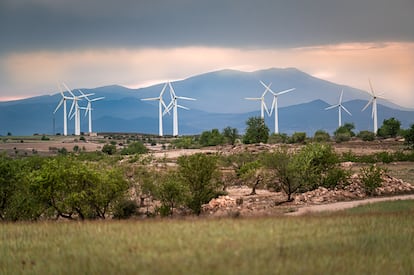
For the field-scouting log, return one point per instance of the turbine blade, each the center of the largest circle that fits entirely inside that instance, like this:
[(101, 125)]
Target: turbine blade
[(96, 99), (340, 97), (266, 109), (67, 89), (253, 98), (71, 107), (163, 89), (172, 92), (150, 98), (370, 85), (182, 107), (366, 106), (346, 110), (165, 106), (331, 107), (286, 91), (186, 98), (60, 104)]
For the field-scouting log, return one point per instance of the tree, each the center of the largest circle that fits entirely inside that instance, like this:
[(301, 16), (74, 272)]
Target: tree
[(252, 173), (171, 192), (211, 138), (256, 131), (366, 135), (344, 133), (390, 128), (409, 136), (199, 174), (230, 135), (281, 164)]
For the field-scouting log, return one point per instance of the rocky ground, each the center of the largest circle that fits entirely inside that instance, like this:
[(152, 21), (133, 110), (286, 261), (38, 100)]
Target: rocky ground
[(239, 202)]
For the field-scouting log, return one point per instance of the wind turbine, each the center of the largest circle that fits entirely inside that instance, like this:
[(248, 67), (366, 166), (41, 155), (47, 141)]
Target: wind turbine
[(174, 105), (89, 109), (263, 106), (65, 116), (160, 105), (373, 101), (340, 107), (76, 112), (274, 103)]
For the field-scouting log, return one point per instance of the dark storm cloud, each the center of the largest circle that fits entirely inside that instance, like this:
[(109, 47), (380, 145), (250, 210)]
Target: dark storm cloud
[(60, 25)]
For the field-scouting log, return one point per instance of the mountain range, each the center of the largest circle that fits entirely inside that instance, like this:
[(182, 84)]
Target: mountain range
[(220, 103)]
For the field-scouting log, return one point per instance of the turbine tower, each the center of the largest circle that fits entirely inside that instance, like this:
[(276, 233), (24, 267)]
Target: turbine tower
[(89, 109), (373, 101), (263, 106), (160, 111), (65, 116), (274, 103), (174, 105), (340, 107)]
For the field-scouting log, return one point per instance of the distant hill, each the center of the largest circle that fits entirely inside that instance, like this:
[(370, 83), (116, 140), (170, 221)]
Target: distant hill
[(220, 102)]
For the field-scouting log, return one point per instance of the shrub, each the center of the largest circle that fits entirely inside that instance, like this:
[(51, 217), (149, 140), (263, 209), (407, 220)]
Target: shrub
[(298, 137), (211, 138), (172, 193), (366, 135), (371, 178), (125, 209), (321, 136), (109, 149), (136, 147), (45, 138), (277, 138), (390, 128), (342, 137)]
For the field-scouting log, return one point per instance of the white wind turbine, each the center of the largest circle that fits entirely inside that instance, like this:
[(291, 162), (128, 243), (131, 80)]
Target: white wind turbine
[(160, 105), (263, 106), (373, 101), (76, 112), (65, 116), (174, 105), (89, 109), (340, 107), (274, 103)]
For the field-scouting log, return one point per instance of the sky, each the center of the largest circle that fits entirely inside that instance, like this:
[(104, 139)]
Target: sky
[(136, 43)]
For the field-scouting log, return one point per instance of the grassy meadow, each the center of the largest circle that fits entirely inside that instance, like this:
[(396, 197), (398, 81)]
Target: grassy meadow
[(372, 239)]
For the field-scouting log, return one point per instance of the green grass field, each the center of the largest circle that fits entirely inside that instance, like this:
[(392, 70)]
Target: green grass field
[(373, 239)]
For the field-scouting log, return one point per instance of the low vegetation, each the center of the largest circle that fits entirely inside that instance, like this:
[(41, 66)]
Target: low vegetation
[(375, 239)]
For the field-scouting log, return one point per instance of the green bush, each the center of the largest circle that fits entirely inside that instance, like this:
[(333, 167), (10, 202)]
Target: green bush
[(172, 193), (409, 137), (199, 174), (342, 137), (277, 138), (211, 138), (124, 209), (109, 149), (321, 136), (371, 178), (366, 135), (136, 147), (298, 137), (390, 128)]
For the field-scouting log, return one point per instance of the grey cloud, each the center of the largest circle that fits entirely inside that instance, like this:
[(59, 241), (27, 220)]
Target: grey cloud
[(47, 24)]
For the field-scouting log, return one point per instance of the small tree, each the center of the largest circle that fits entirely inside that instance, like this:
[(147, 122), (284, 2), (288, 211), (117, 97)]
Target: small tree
[(172, 193), (390, 128), (298, 137), (344, 133), (256, 131), (199, 174), (251, 172), (230, 135), (136, 147), (409, 136), (211, 138)]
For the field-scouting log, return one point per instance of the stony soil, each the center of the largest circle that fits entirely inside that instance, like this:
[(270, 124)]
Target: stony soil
[(239, 202)]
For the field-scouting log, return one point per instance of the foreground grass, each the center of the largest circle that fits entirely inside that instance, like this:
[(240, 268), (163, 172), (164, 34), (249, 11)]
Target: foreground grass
[(369, 242)]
